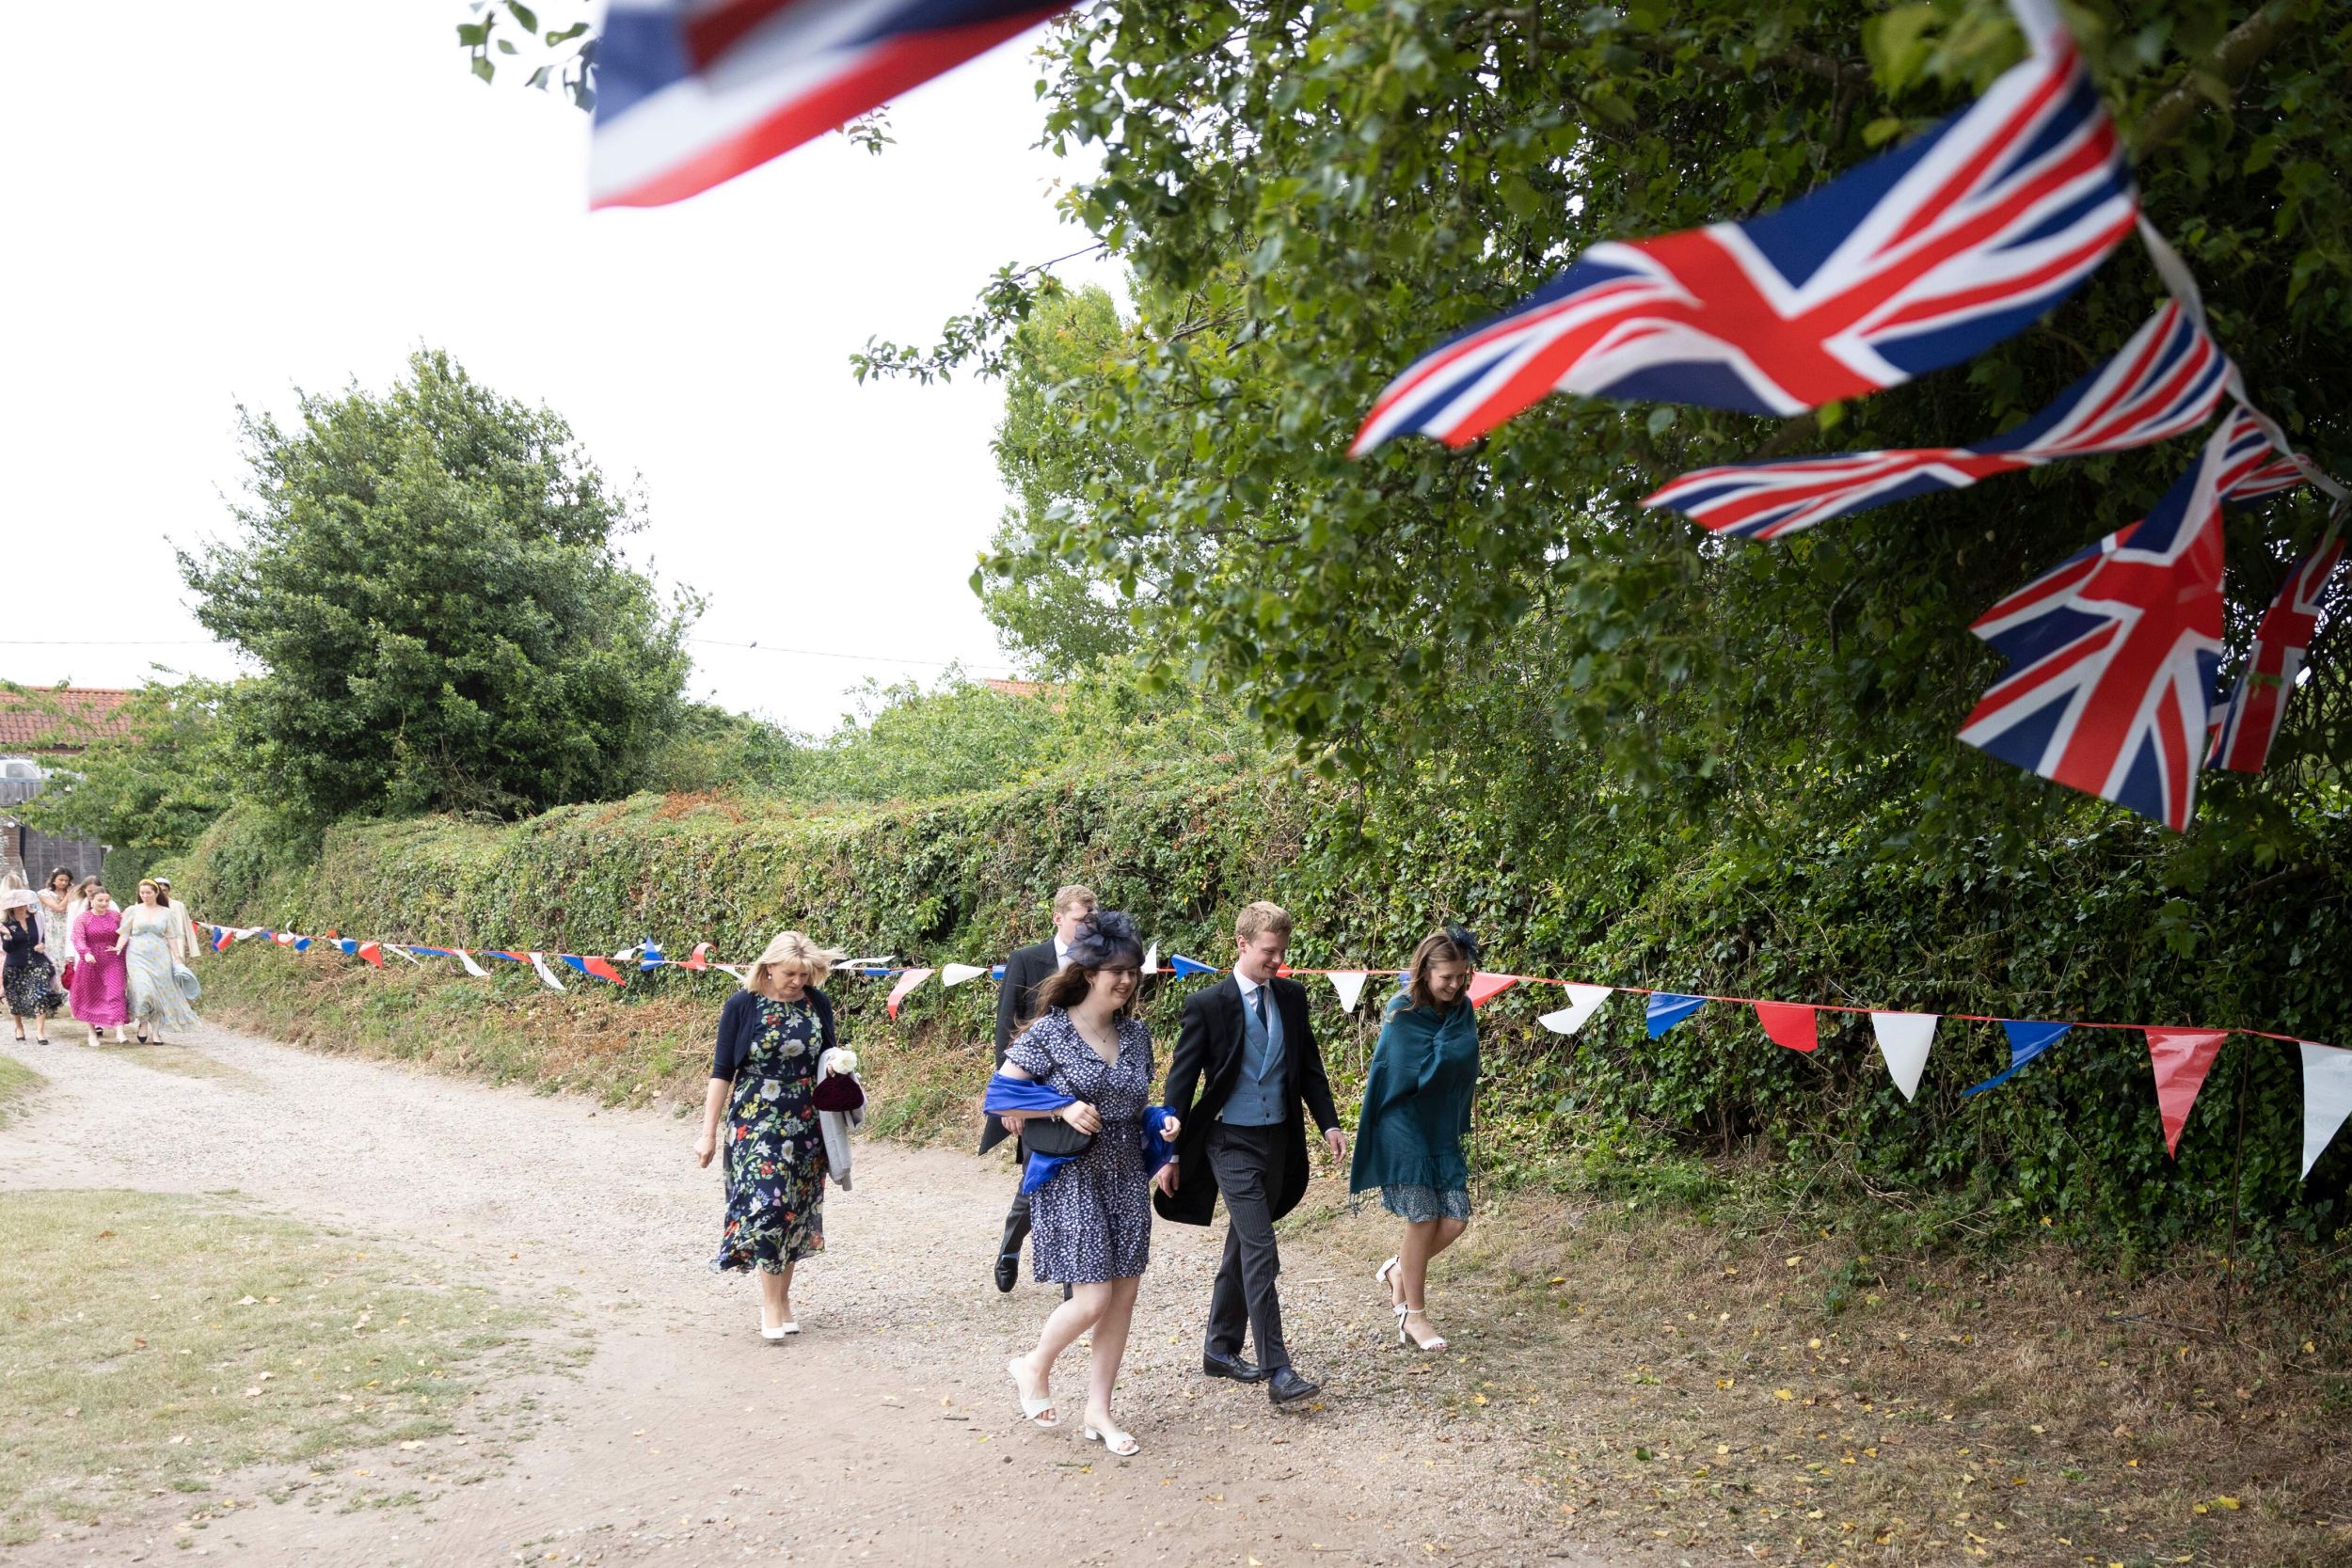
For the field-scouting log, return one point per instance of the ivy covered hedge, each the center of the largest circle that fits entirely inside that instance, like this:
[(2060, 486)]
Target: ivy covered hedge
[(2109, 920)]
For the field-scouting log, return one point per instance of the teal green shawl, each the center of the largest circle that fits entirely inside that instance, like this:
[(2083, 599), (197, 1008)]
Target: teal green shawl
[(1417, 1100)]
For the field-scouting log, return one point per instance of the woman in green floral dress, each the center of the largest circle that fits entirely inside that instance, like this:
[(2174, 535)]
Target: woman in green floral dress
[(763, 1081)]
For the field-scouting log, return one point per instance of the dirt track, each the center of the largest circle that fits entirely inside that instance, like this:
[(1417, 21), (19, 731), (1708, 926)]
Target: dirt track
[(885, 1433)]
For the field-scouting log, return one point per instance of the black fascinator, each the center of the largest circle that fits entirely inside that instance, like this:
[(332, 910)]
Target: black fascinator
[(1108, 937), (1464, 942)]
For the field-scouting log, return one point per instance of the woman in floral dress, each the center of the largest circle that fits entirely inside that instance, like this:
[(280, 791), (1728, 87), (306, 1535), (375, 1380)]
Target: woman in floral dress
[(1092, 1220), (100, 982), (29, 980), (763, 1080)]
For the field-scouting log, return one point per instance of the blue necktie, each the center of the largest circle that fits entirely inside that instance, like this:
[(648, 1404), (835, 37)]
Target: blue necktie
[(1259, 997)]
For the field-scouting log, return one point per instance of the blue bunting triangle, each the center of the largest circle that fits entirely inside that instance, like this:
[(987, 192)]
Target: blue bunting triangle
[(2026, 1040), (1668, 1008), (1183, 966)]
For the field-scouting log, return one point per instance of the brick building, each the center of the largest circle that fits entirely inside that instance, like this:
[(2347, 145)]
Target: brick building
[(41, 731)]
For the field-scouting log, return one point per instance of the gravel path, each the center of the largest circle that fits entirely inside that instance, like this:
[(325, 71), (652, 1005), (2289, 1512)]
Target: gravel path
[(885, 1433)]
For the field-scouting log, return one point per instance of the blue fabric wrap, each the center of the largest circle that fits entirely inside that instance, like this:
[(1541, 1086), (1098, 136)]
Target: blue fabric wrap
[(1027, 1094)]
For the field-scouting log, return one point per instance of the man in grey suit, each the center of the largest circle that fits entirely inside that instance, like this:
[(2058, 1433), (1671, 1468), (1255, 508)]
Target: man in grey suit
[(1025, 970)]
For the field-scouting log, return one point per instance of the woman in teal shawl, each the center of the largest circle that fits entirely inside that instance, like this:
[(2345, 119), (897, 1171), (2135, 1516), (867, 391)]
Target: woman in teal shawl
[(1417, 1107)]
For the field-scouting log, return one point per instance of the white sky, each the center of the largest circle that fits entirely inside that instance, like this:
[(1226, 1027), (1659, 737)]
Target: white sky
[(247, 199)]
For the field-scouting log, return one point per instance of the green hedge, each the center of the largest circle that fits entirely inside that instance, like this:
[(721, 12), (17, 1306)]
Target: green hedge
[(2089, 923)]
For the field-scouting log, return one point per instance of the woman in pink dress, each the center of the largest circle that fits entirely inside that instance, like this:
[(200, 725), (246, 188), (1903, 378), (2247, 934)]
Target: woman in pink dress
[(100, 977)]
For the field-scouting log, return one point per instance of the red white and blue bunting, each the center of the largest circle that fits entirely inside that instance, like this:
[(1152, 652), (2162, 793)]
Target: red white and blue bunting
[(2180, 1056)]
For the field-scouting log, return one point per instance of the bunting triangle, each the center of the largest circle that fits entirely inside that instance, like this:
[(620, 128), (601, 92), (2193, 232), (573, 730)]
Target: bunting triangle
[(1183, 966), (956, 975), (539, 965), (1667, 1008), (700, 957), (1904, 1040), (395, 947), (2027, 1039), (1349, 983), (2181, 1057), (2326, 1098), (1791, 1024), (1152, 959), (1484, 988), (1582, 1001), (373, 952), (907, 982), (473, 968)]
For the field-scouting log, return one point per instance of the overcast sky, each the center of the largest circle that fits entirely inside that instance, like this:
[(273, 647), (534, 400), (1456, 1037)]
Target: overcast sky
[(243, 199)]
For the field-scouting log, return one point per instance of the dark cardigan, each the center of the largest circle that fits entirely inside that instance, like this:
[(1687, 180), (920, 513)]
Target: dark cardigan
[(739, 1025)]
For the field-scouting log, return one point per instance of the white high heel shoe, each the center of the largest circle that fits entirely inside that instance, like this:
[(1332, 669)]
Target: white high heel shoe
[(1121, 1444), (1032, 1410), (1404, 1336)]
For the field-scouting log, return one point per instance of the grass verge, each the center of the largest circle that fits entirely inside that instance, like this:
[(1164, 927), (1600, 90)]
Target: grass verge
[(16, 1082), (152, 1343), (1689, 1389)]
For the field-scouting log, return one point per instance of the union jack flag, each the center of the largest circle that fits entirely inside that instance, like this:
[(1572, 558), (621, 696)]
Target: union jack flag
[(2283, 471), (2163, 383), (2112, 652), (1916, 260), (2247, 724), (690, 93)]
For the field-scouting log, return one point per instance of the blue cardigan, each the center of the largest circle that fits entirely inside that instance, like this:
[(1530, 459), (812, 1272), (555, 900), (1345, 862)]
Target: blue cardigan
[(739, 1025)]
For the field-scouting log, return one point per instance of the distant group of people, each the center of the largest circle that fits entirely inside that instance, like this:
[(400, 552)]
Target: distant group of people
[(68, 949), (1074, 1088)]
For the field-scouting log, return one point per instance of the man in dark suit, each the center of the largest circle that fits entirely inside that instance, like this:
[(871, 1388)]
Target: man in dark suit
[(1245, 1064), (1027, 969)]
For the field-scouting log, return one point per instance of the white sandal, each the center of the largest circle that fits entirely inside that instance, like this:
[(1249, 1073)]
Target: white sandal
[(1405, 1337), (1121, 1444), (1380, 1276), (1032, 1410)]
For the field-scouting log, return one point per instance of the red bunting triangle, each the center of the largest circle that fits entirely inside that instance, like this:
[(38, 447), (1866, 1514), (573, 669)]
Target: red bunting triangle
[(2181, 1057), (602, 968), (700, 957), (907, 982), (1484, 987), (1790, 1024), (373, 952)]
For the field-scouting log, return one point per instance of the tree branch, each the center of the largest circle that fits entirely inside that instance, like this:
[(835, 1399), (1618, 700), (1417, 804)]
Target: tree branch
[(2229, 63)]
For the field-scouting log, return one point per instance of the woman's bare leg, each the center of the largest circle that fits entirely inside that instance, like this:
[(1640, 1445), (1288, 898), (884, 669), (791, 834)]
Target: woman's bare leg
[(1073, 1317), (1421, 1243), (1110, 1348), (775, 1298)]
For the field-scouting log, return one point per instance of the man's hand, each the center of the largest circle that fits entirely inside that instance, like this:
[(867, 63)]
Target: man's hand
[(1338, 1140), (1165, 1178)]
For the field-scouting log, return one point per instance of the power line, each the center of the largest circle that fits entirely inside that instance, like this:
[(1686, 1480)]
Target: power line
[(700, 642)]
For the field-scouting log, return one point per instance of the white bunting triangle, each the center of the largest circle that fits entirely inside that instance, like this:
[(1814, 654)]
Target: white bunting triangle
[(953, 976), (394, 947), (545, 974), (473, 968), (1349, 983), (1152, 959), (1582, 1001), (2326, 1098), (736, 970), (1903, 1040)]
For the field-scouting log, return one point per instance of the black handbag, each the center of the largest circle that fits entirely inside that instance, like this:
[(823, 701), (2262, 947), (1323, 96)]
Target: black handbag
[(1047, 1136)]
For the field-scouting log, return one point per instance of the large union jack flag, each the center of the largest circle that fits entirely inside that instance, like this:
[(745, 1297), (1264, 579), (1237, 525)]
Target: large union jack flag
[(2163, 383), (693, 92), (1916, 260), (2112, 653)]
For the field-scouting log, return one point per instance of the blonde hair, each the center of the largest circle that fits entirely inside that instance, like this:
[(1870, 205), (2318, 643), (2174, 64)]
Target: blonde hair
[(1074, 897), (792, 948), (1261, 917)]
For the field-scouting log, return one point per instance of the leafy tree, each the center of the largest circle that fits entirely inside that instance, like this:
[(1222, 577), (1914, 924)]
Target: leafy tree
[(149, 794), (432, 582), (1054, 614), (1308, 199), (714, 749)]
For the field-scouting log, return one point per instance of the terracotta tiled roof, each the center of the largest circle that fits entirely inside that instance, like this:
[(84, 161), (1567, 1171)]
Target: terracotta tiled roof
[(49, 720), (1023, 688)]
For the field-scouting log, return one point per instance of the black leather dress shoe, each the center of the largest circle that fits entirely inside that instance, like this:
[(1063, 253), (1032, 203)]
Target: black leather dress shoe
[(1287, 1387), (1007, 1271), (1216, 1365)]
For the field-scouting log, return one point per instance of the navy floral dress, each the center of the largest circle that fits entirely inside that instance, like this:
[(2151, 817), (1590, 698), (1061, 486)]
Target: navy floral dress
[(1092, 1219), (772, 1144)]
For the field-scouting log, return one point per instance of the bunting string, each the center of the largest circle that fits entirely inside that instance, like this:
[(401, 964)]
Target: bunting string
[(2180, 1056)]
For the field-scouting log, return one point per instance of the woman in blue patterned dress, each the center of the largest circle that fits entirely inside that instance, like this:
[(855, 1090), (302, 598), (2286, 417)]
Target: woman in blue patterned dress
[(763, 1081), (1090, 1223)]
